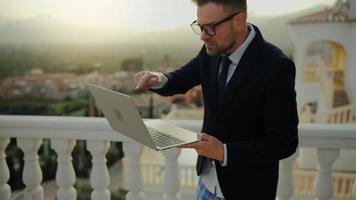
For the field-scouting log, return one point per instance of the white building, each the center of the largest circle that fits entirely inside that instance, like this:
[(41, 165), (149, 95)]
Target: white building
[(325, 57)]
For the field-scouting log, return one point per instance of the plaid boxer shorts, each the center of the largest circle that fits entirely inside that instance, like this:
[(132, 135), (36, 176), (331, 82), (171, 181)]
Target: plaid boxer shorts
[(204, 194)]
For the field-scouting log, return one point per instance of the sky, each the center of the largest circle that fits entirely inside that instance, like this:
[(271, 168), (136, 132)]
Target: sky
[(136, 14)]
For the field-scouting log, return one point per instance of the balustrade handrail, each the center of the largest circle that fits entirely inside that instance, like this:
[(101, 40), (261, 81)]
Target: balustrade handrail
[(58, 127), (327, 135), (90, 128)]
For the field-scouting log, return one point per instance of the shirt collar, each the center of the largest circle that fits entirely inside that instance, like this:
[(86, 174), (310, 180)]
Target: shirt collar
[(237, 54)]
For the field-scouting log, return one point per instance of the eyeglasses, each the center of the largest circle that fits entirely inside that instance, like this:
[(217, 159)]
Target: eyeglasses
[(209, 29)]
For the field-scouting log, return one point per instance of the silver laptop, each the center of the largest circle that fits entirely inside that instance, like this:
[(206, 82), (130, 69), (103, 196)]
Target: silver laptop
[(123, 116)]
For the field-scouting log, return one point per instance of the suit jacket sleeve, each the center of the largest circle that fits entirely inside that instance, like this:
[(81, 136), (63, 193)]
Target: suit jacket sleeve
[(182, 79), (281, 121)]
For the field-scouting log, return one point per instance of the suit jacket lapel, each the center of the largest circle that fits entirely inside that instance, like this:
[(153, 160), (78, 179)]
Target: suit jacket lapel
[(212, 92), (247, 62)]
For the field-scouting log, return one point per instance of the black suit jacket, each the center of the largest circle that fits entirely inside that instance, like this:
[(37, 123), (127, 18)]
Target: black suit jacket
[(257, 120)]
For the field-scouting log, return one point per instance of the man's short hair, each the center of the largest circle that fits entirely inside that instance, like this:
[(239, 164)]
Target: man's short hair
[(230, 5)]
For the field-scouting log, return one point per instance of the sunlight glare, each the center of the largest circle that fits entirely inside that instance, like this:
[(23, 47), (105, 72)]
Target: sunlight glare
[(106, 12), (277, 7)]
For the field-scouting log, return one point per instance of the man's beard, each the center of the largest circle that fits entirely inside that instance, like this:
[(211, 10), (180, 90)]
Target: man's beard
[(221, 50)]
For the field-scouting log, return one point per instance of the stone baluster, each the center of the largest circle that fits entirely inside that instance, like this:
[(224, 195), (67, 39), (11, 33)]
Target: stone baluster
[(134, 182), (323, 184), (32, 174), (354, 184), (99, 177), (171, 183), (354, 189), (5, 190), (65, 176), (285, 183)]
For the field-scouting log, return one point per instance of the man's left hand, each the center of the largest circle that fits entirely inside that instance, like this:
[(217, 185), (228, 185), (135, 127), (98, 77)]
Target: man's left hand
[(208, 146)]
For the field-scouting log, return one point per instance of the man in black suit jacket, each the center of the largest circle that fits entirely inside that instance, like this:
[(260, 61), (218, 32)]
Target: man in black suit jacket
[(250, 121)]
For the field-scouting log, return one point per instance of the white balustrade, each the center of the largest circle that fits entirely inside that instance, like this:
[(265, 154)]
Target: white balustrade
[(65, 176), (99, 177), (354, 189), (324, 189), (170, 181), (32, 174), (285, 182), (64, 131), (342, 115), (134, 181), (5, 190)]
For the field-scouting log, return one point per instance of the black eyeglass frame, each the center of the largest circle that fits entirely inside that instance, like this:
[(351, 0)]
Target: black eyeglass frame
[(211, 26)]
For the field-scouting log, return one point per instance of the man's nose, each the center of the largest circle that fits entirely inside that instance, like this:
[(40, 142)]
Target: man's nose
[(204, 36)]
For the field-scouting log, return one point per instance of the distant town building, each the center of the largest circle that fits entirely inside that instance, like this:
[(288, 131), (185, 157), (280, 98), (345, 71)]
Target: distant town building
[(132, 64), (49, 86), (183, 113), (59, 86), (187, 106)]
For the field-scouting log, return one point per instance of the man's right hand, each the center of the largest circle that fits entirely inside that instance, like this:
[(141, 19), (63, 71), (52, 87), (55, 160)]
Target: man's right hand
[(146, 79)]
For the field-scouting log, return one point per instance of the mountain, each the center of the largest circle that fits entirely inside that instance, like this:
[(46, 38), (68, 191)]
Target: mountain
[(45, 29), (48, 30)]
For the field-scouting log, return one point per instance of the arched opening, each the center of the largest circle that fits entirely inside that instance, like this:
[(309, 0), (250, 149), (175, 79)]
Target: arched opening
[(330, 56), (325, 63)]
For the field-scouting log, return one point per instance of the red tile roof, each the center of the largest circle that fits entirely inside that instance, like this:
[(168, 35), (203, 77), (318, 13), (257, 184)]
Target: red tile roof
[(324, 16), (337, 14)]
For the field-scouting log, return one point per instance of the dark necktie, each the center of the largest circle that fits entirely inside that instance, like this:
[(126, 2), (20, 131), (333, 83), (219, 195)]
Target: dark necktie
[(223, 77)]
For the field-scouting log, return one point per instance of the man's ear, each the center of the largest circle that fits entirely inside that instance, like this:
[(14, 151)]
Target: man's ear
[(240, 21)]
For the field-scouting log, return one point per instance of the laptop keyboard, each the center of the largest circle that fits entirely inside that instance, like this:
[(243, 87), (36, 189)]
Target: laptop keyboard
[(163, 140)]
